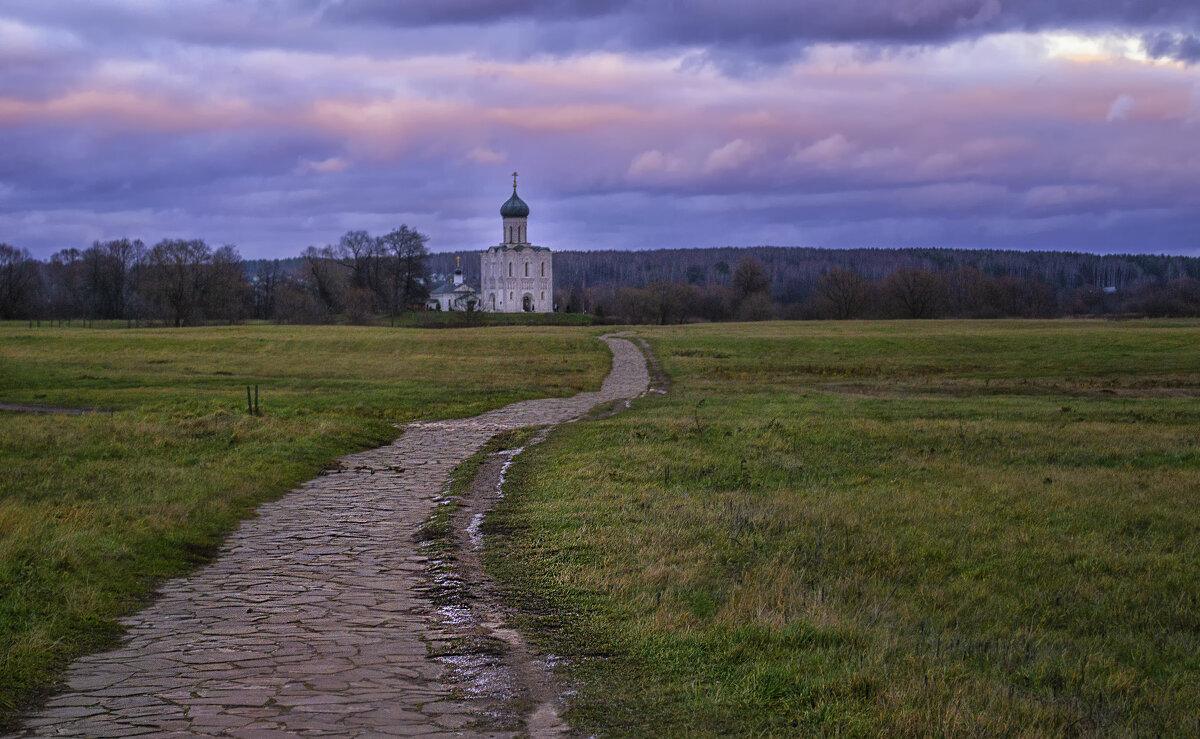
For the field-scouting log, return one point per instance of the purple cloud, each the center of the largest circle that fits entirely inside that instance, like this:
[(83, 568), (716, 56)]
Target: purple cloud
[(1184, 47), (275, 126), (770, 23)]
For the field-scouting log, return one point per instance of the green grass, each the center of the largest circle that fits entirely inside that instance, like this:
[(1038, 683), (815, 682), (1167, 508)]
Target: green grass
[(876, 528), (97, 509)]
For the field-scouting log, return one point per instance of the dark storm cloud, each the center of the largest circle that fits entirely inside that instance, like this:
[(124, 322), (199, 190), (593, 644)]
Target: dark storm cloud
[(762, 28), (1185, 48), (770, 23)]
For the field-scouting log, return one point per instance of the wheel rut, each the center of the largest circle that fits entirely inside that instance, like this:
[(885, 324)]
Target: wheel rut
[(490, 659), (318, 617)]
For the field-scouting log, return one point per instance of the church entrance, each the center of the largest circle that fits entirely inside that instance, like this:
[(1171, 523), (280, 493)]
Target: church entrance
[(527, 303)]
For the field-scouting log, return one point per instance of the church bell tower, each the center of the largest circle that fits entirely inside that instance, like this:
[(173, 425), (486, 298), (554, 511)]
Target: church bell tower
[(516, 217), (517, 276)]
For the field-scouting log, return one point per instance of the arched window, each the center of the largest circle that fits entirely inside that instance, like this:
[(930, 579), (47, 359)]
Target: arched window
[(543, 269), (527, 269), (510, 269)]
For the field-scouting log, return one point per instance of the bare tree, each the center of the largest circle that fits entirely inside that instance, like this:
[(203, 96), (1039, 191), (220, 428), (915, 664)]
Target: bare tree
[(749, 278), (409, 279), (756, 307), (265, 285), (226, 294), (364, 256), (66, 286), (915, 293), (842, 294), (177, 279), (110, 269), (18, 282), (325, 280)]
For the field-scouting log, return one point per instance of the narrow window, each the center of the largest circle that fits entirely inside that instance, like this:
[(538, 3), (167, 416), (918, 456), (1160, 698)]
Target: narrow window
[(510, 269), (527, 269), (543, 269)]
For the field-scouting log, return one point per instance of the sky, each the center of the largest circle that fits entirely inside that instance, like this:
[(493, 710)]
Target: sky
[(274, 125)]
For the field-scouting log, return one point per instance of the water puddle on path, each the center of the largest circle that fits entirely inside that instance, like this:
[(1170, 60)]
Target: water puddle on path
[(490, 660)]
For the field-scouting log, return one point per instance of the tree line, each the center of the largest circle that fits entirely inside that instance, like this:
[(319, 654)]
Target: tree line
[(964, 292), (181, 282), (186, 282), (678, 285)]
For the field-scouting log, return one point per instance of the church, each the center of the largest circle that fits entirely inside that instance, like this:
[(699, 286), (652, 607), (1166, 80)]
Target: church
[(517, 277)]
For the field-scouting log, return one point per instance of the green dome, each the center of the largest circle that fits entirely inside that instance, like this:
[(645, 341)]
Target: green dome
[(514, 207)]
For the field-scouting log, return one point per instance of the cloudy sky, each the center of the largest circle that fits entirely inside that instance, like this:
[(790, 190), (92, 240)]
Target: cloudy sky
[(278, 124)]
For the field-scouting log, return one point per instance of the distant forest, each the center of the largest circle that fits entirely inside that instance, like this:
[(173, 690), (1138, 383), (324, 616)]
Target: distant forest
[(754, 283), (363, 277)]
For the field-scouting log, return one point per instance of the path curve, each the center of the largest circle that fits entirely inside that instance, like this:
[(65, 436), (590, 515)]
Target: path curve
[(312, 620)]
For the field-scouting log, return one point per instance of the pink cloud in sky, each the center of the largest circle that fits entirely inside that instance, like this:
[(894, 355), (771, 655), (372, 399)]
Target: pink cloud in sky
[(809, 130)]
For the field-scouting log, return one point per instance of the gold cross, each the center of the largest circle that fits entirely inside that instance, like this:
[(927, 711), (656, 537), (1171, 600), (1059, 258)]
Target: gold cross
[(514, 180)]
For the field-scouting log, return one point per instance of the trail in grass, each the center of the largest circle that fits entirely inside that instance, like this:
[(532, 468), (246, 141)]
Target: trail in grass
[(61, 410), (316, 617)]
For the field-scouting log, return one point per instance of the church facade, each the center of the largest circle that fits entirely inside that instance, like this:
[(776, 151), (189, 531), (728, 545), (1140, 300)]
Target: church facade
[(517, 276)]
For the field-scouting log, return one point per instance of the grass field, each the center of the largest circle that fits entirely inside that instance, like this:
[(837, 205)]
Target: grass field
[(95, 509), (871, 528)]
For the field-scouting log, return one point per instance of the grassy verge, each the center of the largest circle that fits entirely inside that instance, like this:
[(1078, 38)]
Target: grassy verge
[(877, 528), (436, 530), (96, 509)]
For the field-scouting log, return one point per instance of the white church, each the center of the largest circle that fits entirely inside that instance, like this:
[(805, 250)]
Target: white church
[(517, 277)]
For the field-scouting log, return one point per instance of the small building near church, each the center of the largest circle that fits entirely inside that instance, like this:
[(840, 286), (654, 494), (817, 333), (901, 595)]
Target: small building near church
[(454, 295), (517, 277)]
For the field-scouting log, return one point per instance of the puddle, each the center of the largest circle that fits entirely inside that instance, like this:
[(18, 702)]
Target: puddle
[(455, 615), (511, 454), (473, 531)]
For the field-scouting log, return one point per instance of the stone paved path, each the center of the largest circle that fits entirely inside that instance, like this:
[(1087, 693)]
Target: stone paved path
[(312, 621)]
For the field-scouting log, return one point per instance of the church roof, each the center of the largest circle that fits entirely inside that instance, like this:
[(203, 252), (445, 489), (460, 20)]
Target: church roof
[(514, 207), (518, 247), (447, 288)]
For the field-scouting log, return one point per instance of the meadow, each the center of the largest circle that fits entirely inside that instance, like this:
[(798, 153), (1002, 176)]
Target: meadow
[(875, 528), (96, 509)]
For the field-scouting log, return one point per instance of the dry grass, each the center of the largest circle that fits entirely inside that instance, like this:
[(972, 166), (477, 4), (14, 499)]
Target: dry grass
[(975, 538)]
